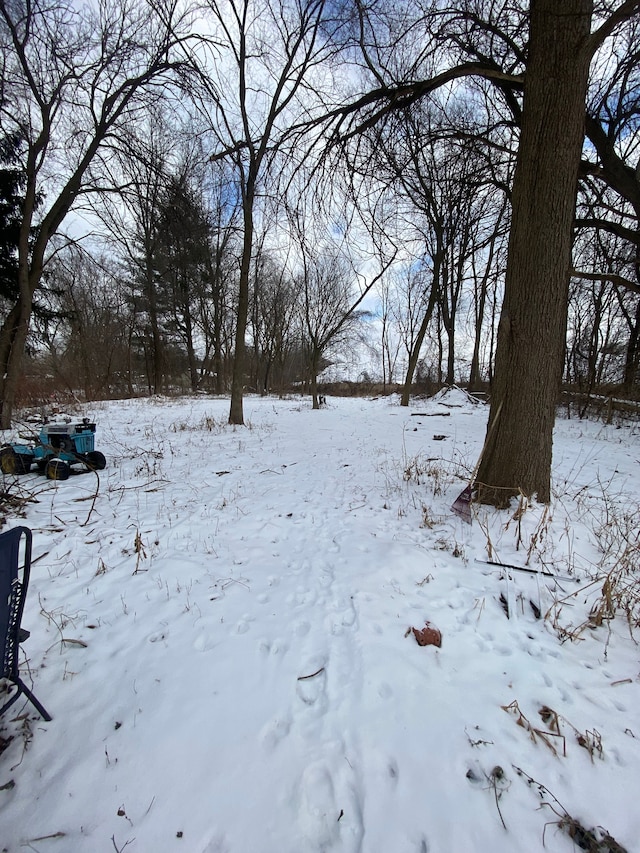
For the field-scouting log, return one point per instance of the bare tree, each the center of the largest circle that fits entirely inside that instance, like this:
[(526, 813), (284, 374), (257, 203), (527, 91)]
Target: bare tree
[(70, 76), (274, 307), (330, 311), (86, 331), (490, 40), (269, 77)]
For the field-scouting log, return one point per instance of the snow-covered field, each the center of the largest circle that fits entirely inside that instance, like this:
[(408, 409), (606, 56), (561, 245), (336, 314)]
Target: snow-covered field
[(222, 638)]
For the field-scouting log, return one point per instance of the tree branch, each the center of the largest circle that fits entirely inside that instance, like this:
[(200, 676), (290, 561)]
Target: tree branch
[(614, 278)]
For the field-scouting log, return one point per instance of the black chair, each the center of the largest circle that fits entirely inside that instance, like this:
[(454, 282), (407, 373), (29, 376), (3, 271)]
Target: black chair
[(13, 592)]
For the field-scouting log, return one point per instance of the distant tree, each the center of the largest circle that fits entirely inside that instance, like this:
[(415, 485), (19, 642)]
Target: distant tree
[(86, 330), (390, 340), (330, 313), (216, 310), (275, 302), (182, 260), (269, 82)]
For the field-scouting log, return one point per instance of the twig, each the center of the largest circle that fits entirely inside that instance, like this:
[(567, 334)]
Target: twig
[(94, 498), (527, 570), (73, 642), (120, 849), (313, 674), (47, 837)]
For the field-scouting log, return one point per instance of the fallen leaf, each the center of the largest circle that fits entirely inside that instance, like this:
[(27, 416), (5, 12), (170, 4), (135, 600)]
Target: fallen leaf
[(427, 636)]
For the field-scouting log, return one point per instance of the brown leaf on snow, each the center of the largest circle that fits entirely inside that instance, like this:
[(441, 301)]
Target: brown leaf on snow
[(428, 636)]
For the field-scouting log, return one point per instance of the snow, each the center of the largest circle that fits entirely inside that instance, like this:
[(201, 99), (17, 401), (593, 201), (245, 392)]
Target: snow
[(246, 679)]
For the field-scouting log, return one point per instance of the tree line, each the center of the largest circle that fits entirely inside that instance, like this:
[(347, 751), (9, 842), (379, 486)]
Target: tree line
[(257, 174)]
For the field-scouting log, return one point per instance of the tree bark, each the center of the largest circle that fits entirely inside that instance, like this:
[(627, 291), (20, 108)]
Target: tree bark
[(236, 414), (531, 331), (414, 355)]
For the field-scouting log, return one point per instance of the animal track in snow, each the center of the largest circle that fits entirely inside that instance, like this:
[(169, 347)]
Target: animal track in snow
[(157, 636), (275, 731), (302, 597), (385, 691), (217, 844), (203, 642), (345, 617), (244, 623)]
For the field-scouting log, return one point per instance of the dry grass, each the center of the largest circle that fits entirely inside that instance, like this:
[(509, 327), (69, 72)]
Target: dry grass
[(615, 584)]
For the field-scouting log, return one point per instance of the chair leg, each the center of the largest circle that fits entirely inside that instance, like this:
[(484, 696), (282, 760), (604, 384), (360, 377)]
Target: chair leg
[(11, 701), (37, 705), (22, 688)]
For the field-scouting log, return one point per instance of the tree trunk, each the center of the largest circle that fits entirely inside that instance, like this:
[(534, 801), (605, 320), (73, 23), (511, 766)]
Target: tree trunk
[(474, 371), (632, 355), (532, 327), (414, 355), (29, 276), (236, 415), (7, 338), (13, 371), (313, 377)]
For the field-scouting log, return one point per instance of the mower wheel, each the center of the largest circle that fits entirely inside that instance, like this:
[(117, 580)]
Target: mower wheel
[(43, 461), (8, 461), (95, 460), (57, 469), (23, 463)]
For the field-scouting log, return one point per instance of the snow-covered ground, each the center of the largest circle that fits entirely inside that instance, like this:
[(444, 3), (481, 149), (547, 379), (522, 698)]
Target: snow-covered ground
[(222, 637)]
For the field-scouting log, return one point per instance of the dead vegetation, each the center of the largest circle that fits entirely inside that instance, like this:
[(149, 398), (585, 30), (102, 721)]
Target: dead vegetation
[(554, 736), (616, 581), (594, 840), (14, 498)]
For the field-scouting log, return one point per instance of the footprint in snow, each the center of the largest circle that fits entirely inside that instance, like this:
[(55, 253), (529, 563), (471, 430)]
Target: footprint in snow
[(158, 636), (274, 647), (302, 597), (311, 685), (345, 618), (274, 732), (385, 691), (302, 628), (204, 643), (217, 844), (318, 813), (312, 689), (244, 623)]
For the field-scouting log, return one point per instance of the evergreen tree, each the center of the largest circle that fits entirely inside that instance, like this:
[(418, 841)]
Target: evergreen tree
[(11, 186)]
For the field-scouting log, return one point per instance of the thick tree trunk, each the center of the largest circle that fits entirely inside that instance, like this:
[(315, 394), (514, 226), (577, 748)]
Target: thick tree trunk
[(7, 337), (531, 331), (15, 358), (632, 355)]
